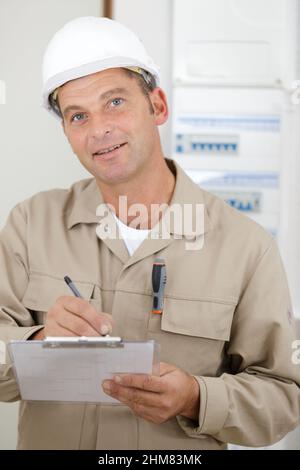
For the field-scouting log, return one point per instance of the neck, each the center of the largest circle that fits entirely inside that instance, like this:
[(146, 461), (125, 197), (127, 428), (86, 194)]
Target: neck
[(148, 189)]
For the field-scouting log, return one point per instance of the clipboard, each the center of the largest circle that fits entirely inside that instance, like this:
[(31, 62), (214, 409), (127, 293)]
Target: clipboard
[(72, 369)]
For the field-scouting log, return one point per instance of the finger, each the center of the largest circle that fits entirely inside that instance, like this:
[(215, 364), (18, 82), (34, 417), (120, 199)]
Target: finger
[(148, 405), (102, 323), (132, 397), (146, 382), (76, 324), (107, 319)]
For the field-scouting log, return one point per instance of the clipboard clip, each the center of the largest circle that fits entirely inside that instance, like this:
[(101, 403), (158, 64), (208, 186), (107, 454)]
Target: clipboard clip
[(83, 341)]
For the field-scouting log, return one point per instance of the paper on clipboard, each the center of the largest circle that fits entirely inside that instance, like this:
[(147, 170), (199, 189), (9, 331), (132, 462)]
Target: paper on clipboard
[(73, 371)]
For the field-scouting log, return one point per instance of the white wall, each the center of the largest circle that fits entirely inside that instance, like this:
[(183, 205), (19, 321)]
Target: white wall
[(34, 154)]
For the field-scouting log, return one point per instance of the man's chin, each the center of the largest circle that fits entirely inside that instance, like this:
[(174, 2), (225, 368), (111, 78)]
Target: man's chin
[(114, 176)]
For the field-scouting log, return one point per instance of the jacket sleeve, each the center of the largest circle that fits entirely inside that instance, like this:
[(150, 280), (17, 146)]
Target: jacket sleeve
[(16, 321), (258, 402)]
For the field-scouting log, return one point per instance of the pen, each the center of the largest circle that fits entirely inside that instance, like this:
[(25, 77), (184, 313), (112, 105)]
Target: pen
[(76, 291), (159, 279), (72, 287)]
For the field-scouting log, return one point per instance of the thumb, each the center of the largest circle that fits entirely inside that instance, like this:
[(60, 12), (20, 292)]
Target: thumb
[(165, 368)]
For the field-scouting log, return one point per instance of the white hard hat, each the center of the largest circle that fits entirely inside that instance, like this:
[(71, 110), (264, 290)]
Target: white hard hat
[(87, 45)]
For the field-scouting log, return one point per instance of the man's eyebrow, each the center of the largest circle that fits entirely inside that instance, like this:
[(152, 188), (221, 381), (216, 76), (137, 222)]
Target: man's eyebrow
[(114, 91), (73, 107), (102, 97)]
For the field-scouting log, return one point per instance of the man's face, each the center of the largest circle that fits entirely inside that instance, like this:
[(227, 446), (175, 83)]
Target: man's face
[(110, 125)]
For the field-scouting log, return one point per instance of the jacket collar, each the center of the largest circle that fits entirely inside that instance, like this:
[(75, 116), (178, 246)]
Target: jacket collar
[(88, 197), (185, 197), (84, 202)]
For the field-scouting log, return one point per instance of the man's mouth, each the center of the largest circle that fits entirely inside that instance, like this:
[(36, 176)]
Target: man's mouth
[(108, 149)]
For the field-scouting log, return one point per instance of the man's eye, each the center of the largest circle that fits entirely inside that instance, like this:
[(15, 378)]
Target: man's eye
[(116, 102), (77, 117)]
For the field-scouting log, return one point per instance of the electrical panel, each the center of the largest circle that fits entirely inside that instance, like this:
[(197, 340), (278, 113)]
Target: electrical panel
[(236, 110)]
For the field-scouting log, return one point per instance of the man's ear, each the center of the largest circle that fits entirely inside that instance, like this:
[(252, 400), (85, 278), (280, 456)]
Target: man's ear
[(160, 106)]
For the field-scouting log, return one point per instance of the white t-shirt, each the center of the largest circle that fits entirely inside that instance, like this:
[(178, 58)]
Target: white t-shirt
[(132, 237)]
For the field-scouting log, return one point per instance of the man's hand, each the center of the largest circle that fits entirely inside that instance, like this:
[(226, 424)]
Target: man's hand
[(73, 316), (157, 399)]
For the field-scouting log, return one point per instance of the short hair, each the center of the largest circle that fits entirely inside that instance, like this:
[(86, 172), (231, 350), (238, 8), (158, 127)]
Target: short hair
[(145, 80)]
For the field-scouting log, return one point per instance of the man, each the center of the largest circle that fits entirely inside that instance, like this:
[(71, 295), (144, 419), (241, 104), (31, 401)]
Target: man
[(225, 332)]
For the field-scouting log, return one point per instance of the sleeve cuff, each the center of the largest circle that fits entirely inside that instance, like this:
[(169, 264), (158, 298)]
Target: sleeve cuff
[(213, 410)]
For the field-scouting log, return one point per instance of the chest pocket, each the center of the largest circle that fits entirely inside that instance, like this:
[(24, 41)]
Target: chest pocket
[(43, 291), (192, 333)]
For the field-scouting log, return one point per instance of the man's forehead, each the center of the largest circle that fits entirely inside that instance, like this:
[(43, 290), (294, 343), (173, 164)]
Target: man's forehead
[(98, 77), (99, 86)]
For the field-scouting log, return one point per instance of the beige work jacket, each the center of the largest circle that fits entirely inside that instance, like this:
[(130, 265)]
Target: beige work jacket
[(226, 320)]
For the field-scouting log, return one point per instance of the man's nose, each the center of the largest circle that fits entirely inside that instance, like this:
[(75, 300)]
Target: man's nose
[(100, 127)]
